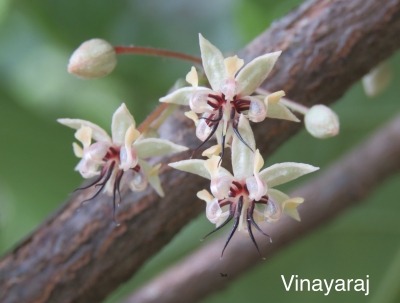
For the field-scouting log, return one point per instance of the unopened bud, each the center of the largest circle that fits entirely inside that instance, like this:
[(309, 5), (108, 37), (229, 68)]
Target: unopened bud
[(377, 80), (94, 58), (321, 122)]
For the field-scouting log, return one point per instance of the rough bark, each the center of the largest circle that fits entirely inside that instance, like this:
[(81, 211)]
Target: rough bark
[(345, 184), (80, 256)]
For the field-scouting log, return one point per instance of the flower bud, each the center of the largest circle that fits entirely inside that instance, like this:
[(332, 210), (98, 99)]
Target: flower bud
[(321, 122), (94, 58), (377, 80)]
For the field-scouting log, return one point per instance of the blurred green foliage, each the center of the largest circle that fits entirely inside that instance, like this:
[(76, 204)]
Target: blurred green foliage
[(36, 163)]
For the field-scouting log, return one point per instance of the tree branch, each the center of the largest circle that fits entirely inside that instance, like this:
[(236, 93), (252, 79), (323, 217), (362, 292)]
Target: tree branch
[(80, 256), (345, 184)]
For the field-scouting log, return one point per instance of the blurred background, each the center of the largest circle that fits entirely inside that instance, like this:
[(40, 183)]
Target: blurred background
[(36, 159)]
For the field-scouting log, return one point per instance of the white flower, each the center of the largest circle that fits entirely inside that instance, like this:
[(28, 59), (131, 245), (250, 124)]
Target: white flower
[(121, 156), (247, 195), (94, 58), (232, 85), (321, 122)]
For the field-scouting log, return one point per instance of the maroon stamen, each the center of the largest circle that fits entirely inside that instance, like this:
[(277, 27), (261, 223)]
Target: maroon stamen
[(235, 225)]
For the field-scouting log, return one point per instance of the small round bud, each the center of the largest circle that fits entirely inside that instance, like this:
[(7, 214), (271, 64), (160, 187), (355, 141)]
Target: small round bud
[(94, 58), (321, 122)]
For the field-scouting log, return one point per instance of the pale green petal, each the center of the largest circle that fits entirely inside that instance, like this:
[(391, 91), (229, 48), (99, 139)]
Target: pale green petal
[(182, 96), (280, 111), (193, 166), (152, 176), (254, 73), (284, 172), (213, 63), (242, 155), (154, 147), (98, 134), (122, 119)]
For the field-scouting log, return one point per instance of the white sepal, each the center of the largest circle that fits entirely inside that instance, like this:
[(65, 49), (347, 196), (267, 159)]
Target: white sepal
[(154, 147), (193, 166), (213, 63), (98, 134), (284, 172), (255, 72), (242, 155)]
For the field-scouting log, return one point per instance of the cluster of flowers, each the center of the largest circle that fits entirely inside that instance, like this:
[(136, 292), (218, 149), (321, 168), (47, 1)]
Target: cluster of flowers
[(247, 195)]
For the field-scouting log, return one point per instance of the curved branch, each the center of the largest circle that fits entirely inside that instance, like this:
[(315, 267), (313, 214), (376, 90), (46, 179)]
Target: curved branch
[(80, 256), (349, 180)]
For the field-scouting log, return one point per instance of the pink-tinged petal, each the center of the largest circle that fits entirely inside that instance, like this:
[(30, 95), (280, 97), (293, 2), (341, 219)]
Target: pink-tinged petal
[(122, 119), (220, 186), (199, 102), (213, 63), (242, 155), (98, 134), (202, 129), (284, 172), (92, 159), (257, 111), (255, 72), (213, 211), (87, 168), (273, 211), (137, 181)]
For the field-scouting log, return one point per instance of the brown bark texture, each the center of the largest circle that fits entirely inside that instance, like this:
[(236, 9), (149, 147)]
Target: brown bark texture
[(79, 256), (332, 191)]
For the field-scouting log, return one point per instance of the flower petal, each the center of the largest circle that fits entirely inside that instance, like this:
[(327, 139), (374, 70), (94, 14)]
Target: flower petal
[(98, 134), (257, 111), (220, 185), (154, 147), (205, 195), (284, 172), (280, 111), (242, 155), (122, 119), (255, 72), (137, 181), (213, 211), (213, 63)]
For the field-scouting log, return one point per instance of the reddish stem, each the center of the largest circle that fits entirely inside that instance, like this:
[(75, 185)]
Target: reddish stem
[(149, 51)]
